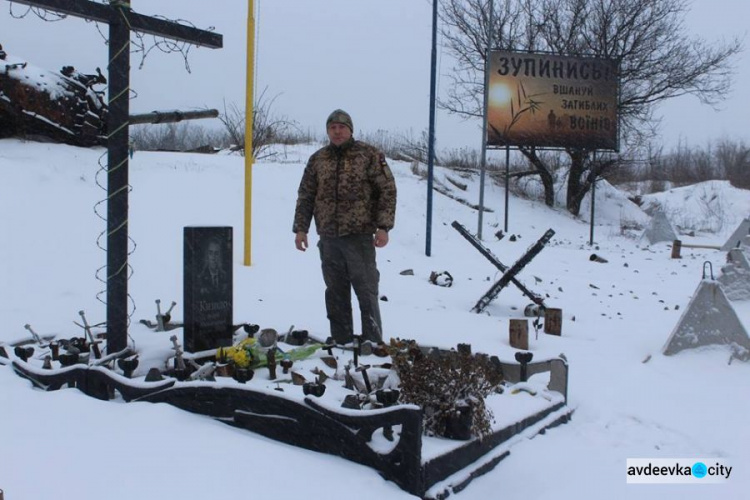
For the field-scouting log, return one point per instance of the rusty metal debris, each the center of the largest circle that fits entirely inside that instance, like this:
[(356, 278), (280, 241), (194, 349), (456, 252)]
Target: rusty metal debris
[(65, 106)]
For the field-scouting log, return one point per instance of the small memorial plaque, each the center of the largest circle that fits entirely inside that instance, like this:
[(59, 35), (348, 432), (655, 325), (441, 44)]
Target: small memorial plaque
[(207, 288), (553, 321), (519, 334)]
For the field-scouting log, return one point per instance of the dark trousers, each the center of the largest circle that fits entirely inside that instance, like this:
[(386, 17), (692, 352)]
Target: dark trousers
[(349, 262)]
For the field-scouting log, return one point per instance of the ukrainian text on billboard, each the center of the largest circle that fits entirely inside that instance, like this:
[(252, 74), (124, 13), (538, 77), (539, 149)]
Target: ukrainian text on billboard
[(546, 100)]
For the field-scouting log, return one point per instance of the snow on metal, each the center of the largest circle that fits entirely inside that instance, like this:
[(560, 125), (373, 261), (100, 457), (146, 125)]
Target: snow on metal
[(709, 319)]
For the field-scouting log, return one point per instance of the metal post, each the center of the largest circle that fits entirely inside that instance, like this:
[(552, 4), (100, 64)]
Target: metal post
[(249, 97), (593, 202), (117, 179), (171, 116), (507, 185), (431, 135), (484, 120)]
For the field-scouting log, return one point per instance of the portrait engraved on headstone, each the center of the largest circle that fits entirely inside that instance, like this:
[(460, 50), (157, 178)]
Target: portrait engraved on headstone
[(208, 288), (213, 277)]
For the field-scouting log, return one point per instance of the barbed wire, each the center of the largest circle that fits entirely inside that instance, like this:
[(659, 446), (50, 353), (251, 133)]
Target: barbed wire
[(46, 15), (141, 44), (100, 210), (167, 45)]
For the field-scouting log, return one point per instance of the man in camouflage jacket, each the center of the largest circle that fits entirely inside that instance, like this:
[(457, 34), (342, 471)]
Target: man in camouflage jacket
[(349, 189)]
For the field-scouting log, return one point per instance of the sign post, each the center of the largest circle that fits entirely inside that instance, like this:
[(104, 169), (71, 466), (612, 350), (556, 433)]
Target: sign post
[(249, 119)]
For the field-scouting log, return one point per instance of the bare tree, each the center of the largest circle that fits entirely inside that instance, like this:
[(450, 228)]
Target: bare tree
[(658, 60)]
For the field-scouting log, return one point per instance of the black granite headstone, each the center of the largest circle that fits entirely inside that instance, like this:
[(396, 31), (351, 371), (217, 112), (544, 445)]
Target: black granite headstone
[(207, 288)]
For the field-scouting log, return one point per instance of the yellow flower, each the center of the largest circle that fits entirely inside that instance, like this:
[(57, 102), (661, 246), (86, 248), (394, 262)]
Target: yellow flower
[(241, 354)]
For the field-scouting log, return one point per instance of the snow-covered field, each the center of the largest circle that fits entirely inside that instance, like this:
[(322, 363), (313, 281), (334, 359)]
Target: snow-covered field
[(630, 401)]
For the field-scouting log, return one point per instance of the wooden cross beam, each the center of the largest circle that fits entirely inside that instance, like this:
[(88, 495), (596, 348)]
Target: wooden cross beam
[(121, 20)]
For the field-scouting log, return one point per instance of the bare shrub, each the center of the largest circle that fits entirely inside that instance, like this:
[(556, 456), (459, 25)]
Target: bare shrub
[(686, 165), (463, 158), (734, 159), (417, 147), (180, 136), (445, 385), (296, 135), (390, 144), (268, 128), (713, 209), (657, 186), (529, 188)]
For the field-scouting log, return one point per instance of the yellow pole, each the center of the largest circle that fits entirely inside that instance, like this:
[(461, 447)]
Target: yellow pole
[(249, 132)]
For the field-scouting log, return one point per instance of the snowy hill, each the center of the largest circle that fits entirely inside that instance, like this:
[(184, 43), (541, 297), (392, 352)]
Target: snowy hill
[(706, 207), (616, 315)]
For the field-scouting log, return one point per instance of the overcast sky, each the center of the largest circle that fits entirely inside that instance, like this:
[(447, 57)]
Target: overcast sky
[(371, 58)]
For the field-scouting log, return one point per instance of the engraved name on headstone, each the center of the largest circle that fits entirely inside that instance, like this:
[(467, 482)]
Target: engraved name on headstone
[(207, 288)]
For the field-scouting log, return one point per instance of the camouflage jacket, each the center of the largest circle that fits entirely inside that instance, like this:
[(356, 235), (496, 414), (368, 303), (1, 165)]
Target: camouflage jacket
[(349, 189)]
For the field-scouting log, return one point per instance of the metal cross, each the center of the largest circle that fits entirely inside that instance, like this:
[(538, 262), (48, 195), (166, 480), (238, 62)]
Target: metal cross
[(121, 20)]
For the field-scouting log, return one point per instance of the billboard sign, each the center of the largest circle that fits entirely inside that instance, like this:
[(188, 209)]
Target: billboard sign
[(546, 100)]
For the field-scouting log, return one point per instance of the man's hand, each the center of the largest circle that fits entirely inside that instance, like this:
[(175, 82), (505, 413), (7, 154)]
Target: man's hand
[(300, 241), (381, 238)]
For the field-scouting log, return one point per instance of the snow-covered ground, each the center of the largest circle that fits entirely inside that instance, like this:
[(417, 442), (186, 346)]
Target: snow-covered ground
[(630, 401)]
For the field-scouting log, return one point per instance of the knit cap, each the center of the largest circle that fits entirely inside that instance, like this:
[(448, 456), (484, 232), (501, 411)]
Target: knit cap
[(342, 117)]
